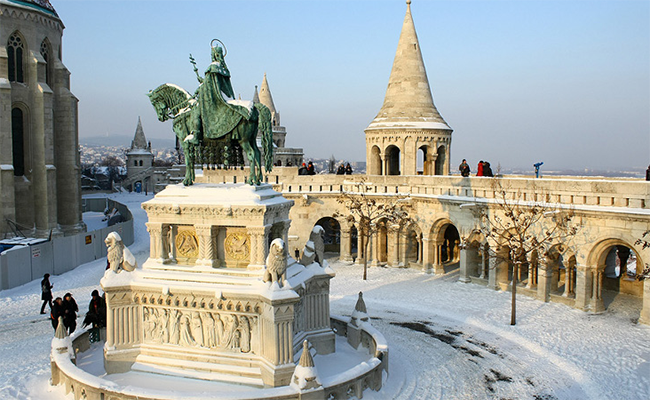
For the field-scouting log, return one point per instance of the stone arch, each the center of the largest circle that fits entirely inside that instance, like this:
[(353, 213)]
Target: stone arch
[(332, 237), (393, 160), (444, 244), (16, 53), (474, 257), (412, 250), (375, 167), (441, 160)]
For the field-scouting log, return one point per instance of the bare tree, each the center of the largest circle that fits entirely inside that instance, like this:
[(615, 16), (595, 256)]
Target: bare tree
[(644, 243), (516, 228), (368, 210), (111, 161)]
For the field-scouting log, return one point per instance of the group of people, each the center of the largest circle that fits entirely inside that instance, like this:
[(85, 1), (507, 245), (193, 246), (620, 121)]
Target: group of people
[(344, 170), (483, 169), (67, 308), (307, 169)]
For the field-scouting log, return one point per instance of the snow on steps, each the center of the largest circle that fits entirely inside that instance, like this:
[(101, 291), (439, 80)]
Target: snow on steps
[(199, 370)]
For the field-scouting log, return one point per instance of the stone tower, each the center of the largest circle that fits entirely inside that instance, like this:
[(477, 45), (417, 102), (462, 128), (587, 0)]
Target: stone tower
[(40, 183), (282, 156), (139, 161), (408, 122)]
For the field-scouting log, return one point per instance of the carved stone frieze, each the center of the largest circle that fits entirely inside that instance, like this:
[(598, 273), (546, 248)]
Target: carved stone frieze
[(187, 243), (237, 245)]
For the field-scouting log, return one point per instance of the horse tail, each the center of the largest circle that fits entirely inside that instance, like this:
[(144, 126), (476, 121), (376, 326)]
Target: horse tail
[(264, 126)]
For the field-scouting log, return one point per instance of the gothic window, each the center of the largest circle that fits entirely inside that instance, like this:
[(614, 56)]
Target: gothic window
[(15, 50), (17, 140), (140, 162), (46, 53), (135, 163)]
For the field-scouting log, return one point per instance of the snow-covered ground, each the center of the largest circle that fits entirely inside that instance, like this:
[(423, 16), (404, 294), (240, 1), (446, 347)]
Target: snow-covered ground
[(447, 340)]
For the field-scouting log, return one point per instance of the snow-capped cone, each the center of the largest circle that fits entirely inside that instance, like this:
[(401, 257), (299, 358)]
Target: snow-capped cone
[(360, 312), (61, 343), (305, 376)]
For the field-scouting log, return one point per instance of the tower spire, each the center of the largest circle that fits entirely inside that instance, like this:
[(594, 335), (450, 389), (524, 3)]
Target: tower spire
[(266, 99), (139, 141), (408, 97)]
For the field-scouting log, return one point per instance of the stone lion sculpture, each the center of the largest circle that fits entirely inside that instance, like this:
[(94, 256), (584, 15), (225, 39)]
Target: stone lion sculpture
[(276, 263), (119, 257), (317, 237)]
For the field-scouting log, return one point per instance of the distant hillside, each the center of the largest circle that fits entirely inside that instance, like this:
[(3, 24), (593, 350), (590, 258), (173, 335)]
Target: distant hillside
[(125, 141)]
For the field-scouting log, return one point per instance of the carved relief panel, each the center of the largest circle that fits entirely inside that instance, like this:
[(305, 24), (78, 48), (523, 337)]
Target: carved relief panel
[(186, 244), (237, 248)]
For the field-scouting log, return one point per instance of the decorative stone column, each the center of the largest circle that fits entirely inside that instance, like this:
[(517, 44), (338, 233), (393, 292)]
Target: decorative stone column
[(207, 248), (493, 282), (259, 238), (644, 318), (373, 250), (438, 268), (465, 259), (596, 303), (393, 245), (360, 249), (346, 245), (545, 278), (427, 255), (166, 243), (583, 287), (483, 251), (155, 240), (172, 244)]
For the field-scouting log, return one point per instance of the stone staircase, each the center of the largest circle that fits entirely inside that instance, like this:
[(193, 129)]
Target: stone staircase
[(129, 181)]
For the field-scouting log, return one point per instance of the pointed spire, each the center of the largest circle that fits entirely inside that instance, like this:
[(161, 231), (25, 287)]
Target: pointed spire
[(267, 100), (60, 333), (360, 313), (306, 359), (408, 101), (139, 141), (256, 96)]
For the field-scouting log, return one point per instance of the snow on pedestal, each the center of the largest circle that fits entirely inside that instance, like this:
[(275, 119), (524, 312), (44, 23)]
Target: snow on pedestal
[(359, 316), (305, 376)]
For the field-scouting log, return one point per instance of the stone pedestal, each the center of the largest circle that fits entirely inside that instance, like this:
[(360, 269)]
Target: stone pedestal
[(199, 308)]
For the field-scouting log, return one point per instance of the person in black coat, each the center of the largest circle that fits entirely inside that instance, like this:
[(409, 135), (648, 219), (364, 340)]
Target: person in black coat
[(340, 170), (46, 292), (310, 169), (96, 315), (487, 170), (56, 312), (70, 309), (303, 170), (348, 169)]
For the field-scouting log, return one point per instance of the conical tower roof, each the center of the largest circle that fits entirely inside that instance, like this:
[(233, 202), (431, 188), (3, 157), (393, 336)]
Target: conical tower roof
[(265, 96), (408, 102), (139, 141), (256, 96)]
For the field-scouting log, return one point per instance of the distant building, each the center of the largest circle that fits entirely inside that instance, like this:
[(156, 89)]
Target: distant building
[(282, 156), (40, 185), (139, 163)]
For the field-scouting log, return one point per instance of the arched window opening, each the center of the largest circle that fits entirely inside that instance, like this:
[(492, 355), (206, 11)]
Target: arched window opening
[(440, 161), (140, 162), (424, 161), (332, 237), (449, 251), (620, 267), (393, 160), (46, 51), (17, 141), (15, 51)]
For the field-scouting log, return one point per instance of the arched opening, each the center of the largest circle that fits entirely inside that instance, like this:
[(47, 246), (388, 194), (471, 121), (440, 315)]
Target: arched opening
[(332, 237), (424, 161), (15, 57), (449, 251), (393, 160), (18, 141), (46, 52), (441, 160), (375, 167), (140, 162)]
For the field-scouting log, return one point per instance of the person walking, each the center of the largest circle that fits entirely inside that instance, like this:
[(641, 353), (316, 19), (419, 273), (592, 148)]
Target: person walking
[(479, 169), (70, 309), (46, 292), (464, 168), (56, 312)]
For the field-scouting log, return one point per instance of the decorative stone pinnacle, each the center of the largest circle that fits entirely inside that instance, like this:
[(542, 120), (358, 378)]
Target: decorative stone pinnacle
[(361, 305), (408, 2), (305, 358), (60, 333)]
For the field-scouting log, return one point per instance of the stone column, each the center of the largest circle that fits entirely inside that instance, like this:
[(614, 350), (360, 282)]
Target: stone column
[(644, 318), (373, 250), (484, 263), (276, 345), (464, 263), (207, 248), (493, 282), (165, 243), (172, 244), (259, 236), (583, 287), (438, 268), (596, 303), (545, 278), (155, 240), (346, 245), (360, 249), (427, 255), (7, 200), (393, 245)]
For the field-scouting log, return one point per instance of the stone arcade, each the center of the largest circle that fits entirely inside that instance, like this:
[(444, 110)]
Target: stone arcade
[(198, 307)]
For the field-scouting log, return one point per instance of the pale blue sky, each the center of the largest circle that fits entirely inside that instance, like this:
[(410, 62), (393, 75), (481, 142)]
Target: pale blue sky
[(564, 82)]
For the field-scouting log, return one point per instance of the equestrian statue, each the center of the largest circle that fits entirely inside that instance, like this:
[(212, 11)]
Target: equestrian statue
[(212, 127)]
